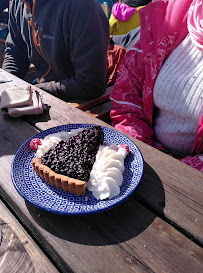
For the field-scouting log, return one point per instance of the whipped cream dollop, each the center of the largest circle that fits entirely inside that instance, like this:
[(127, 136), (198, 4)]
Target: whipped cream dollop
[(51, 140), (106, 176)]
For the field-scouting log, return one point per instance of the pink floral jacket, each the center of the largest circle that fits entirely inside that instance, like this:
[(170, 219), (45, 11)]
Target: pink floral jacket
[(163, 28)]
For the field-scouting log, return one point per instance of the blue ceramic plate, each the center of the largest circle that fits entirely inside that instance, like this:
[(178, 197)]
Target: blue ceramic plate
[(49, 198)]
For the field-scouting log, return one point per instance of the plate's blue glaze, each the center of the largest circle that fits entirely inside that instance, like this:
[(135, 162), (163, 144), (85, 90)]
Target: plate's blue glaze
[(47, 197)]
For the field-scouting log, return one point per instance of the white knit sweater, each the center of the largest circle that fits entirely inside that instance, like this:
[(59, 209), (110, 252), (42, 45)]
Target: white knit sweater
[(178, 96)]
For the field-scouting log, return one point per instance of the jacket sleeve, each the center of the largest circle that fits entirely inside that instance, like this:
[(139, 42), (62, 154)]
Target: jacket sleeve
[(194, 161), (16, 59), (86, 35), (127, 112)]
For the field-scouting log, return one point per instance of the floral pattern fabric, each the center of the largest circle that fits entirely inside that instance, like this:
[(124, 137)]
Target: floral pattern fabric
[(132, 97)]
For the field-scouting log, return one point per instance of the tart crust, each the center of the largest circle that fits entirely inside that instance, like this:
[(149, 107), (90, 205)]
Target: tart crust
[(60, 181)]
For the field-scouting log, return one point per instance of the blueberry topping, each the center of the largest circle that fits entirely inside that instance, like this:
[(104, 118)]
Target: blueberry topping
[(76, 157)]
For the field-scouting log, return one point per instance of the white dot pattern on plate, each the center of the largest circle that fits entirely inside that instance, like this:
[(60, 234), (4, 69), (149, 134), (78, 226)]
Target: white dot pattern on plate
[(47, 197)]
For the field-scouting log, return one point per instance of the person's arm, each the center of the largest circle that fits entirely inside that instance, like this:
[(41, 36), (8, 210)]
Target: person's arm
[(16, 60), (87, 35), (127, 112)]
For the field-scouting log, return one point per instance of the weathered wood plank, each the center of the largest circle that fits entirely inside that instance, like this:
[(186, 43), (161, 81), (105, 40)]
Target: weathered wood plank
[(18, 251), (68, 255), (167, 185), (143, 236), (128, 238), (179, 184), (172, 195)]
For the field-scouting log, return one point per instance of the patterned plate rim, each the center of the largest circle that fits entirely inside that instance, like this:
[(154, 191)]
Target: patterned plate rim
[(67, 128)]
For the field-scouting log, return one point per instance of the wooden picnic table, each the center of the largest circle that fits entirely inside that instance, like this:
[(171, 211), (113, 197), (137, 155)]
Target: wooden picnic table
[(157, 229)]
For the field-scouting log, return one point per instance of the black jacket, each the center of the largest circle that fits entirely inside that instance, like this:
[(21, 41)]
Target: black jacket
[(72, 38)]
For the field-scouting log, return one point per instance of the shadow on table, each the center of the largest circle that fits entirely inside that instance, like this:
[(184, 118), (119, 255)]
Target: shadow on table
[(113, 226), (39, 118), (13, 252), (150, 191), (13, 133)]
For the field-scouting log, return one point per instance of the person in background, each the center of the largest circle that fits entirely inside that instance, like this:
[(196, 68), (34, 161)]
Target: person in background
[(118, 46), (158, 94), (125, 16), (66, 40)]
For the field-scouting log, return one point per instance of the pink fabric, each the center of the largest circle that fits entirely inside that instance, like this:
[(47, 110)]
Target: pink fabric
[(198, 143), (194, 161), (122, 12), (132, 97), (195, 23)]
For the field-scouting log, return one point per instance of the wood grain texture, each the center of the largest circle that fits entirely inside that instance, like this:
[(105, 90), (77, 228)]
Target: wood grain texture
[(132, 237), (169, 183), (127, 235), (18, 252)]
